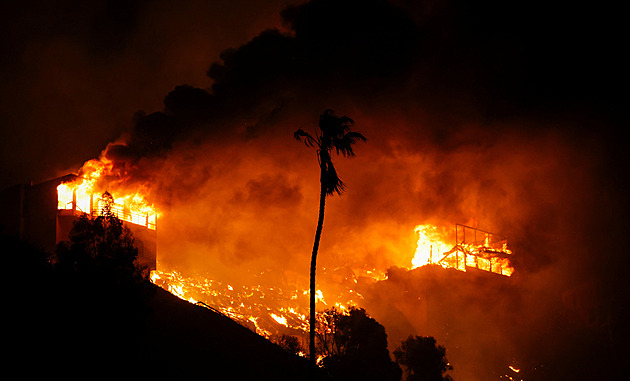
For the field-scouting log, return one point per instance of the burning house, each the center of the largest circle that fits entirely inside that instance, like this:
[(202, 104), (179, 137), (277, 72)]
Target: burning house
[(472, 249), (44, 213)]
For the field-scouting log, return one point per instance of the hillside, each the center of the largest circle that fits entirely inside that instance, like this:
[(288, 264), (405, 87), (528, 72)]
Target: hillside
[(80, 334), (192, 341)]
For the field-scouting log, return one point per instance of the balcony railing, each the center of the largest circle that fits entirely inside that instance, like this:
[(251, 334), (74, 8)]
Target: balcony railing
[(119, 211)]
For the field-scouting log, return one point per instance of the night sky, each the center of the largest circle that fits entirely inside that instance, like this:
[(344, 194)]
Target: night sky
[(503, 115), (75, 74)]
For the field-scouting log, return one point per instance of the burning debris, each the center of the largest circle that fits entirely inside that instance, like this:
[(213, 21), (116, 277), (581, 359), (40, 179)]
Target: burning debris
[(267, 309), (472, 248)]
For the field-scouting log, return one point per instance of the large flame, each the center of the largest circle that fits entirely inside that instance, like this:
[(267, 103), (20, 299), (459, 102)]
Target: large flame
[(452, 249), (83, 195), (432, 244)]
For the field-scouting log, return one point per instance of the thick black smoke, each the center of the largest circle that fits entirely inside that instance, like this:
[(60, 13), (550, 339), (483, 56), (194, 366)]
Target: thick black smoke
[(515, 102)]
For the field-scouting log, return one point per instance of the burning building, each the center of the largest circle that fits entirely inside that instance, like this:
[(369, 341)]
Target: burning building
[(472, 249), (44, 213)]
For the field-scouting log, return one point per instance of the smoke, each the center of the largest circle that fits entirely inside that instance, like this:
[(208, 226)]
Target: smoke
[(459, 131), (74, 74), (452, 138)]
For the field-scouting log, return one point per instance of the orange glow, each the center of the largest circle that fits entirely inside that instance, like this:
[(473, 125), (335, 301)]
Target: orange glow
[(280, 319), (267, 310), (83, 195), (481, 250), (432, 244)]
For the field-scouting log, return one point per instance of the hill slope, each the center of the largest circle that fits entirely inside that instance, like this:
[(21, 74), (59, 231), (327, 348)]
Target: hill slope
[(75, 333), (189, 340)]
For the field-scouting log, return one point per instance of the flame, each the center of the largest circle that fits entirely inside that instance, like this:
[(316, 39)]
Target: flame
[(431, 245), (267, 310), (441, 247), (83, 195), (283, 307), (280, 319)]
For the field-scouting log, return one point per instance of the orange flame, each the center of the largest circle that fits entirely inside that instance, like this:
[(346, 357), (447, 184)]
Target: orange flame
[(436, 246), (82, 195)]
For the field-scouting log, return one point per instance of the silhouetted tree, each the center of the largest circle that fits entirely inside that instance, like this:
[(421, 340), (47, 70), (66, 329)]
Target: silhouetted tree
[(102, 248), (355, 347), (334, 133), (104, 294), (289, 343), (327, 333), (423, 359)]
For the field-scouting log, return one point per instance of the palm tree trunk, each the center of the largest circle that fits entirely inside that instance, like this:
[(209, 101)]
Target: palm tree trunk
[(318, 234)]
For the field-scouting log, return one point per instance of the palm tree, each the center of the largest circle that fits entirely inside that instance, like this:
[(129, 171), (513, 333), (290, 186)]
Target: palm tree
[(334, 133)]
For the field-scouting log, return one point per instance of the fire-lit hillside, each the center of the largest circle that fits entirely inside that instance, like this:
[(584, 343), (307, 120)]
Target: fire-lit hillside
[(272, 305), (282, 307)]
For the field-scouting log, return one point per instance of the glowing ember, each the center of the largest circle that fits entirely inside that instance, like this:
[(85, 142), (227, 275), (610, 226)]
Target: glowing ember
[(267, 310), (270, 310), (83, 195), (282, 307)]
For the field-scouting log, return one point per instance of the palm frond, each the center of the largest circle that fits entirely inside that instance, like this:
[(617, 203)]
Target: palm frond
[(345, 143), (334, 126), (330, 180), (308, 139), (334, 132)]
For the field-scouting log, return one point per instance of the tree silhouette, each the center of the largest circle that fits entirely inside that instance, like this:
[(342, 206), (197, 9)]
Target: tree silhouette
[(103, 293), (289, 343), (355, 347), (102, 248), (334, 133), (423, 358)]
